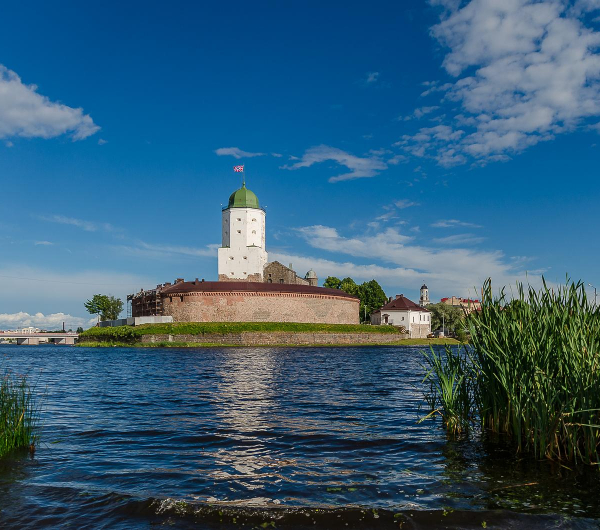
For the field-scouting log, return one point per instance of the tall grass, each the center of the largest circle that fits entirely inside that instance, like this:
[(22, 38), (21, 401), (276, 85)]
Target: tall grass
[(532, 372), (18, 414)]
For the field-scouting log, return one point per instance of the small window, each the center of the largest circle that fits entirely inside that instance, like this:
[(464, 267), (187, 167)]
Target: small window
[(281, 280), (230, 257), (402, 318), (254, 231), (181, 298), (269, 280), (239, 231), (244, 272), (253, 220), (238, 219)]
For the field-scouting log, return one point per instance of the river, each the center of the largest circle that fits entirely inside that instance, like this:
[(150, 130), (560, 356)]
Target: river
[(260, 438)]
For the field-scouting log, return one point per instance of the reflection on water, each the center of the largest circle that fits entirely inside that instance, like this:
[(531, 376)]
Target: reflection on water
[(294, 436)]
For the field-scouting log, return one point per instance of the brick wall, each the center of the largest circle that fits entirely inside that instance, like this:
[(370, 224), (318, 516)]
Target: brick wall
[(261, 307)]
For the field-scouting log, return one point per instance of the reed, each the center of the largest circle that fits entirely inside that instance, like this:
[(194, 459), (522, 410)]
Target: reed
[(533, 370), (18, 415)]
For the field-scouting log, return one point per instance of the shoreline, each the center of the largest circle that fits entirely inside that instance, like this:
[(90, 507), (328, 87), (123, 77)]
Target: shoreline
[(176, 344)]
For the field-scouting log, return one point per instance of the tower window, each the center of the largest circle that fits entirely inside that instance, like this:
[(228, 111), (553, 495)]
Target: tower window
[(245, 257), (239, 231), (254, 220), (238, 219), (254, 231)]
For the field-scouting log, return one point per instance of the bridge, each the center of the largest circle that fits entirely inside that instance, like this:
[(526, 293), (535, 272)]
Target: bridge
[(35, 338)]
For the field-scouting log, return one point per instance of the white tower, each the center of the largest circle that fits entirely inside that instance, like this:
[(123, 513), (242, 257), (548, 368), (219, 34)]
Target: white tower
[(424, 299), (242, 255)]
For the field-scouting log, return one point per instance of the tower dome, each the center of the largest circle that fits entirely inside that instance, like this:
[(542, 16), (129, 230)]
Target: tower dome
[(310, 274), (243, 198), (423, 286)]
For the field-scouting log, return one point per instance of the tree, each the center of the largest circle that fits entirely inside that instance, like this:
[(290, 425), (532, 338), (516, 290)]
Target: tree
[(79, 329), (113, 308), (348, 285), (372, 297), (450, 316), (332, 282), (370, 293), (106, 307)]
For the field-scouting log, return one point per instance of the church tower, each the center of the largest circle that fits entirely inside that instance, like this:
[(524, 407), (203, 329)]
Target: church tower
[(424, 299), (242, 255)]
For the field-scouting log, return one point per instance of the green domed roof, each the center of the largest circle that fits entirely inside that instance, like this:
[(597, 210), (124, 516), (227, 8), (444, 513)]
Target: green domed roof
[(243, 198)]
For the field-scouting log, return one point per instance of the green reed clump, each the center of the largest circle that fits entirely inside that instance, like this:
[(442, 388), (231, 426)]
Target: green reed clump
[(18, 414), (450, 378), (533, 370)]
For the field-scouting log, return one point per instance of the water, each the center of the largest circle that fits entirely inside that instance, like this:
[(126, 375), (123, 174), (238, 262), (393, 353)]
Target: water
[(262, 437)]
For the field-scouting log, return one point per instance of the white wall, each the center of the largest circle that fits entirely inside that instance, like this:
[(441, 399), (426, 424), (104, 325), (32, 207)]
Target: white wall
[(243, 239)]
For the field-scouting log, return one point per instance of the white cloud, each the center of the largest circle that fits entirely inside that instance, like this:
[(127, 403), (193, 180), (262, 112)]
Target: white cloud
[(24, 112), (101, 141), (405, 203), (451, 270), (88, 226), (236, 152), (419, 113), (451, 223), (372, 77), (527, 71), (52, 321), (397, 159), (149, 250), (43, 243), (276, 155), (459, 239), (35, 289), (359, 167)]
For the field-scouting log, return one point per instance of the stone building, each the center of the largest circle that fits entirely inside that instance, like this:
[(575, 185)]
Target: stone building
[(249, 288), (401, 311), (465, 304), (275, 272)]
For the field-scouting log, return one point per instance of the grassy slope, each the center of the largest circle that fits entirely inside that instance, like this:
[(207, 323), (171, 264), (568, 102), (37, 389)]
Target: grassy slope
[(131, 334)]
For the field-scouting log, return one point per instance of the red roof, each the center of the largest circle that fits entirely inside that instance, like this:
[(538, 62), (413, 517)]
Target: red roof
[(252, 287), (401, 303)]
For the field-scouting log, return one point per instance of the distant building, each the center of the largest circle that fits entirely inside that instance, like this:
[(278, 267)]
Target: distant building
[(424, 299), (401, 311), (466, 304)]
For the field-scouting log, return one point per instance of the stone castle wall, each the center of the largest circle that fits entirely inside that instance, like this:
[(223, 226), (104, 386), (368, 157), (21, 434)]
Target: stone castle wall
[(279, 338), (260, 307)]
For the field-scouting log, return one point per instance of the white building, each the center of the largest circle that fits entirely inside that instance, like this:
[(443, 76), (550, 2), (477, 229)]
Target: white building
[(242, 255), (401, 311), (424, 299)]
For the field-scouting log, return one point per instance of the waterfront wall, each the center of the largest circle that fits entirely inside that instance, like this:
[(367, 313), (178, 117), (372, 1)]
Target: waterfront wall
[(261, 307), (253, 338)]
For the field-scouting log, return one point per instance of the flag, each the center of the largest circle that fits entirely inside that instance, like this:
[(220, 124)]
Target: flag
[(238, 169)]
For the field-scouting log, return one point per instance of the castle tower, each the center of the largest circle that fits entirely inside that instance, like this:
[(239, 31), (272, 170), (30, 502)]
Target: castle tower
[(311, 278), (242, 255), (424, 299)]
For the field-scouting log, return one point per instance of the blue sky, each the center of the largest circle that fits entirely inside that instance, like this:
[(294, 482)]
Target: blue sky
[(410, 142)]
